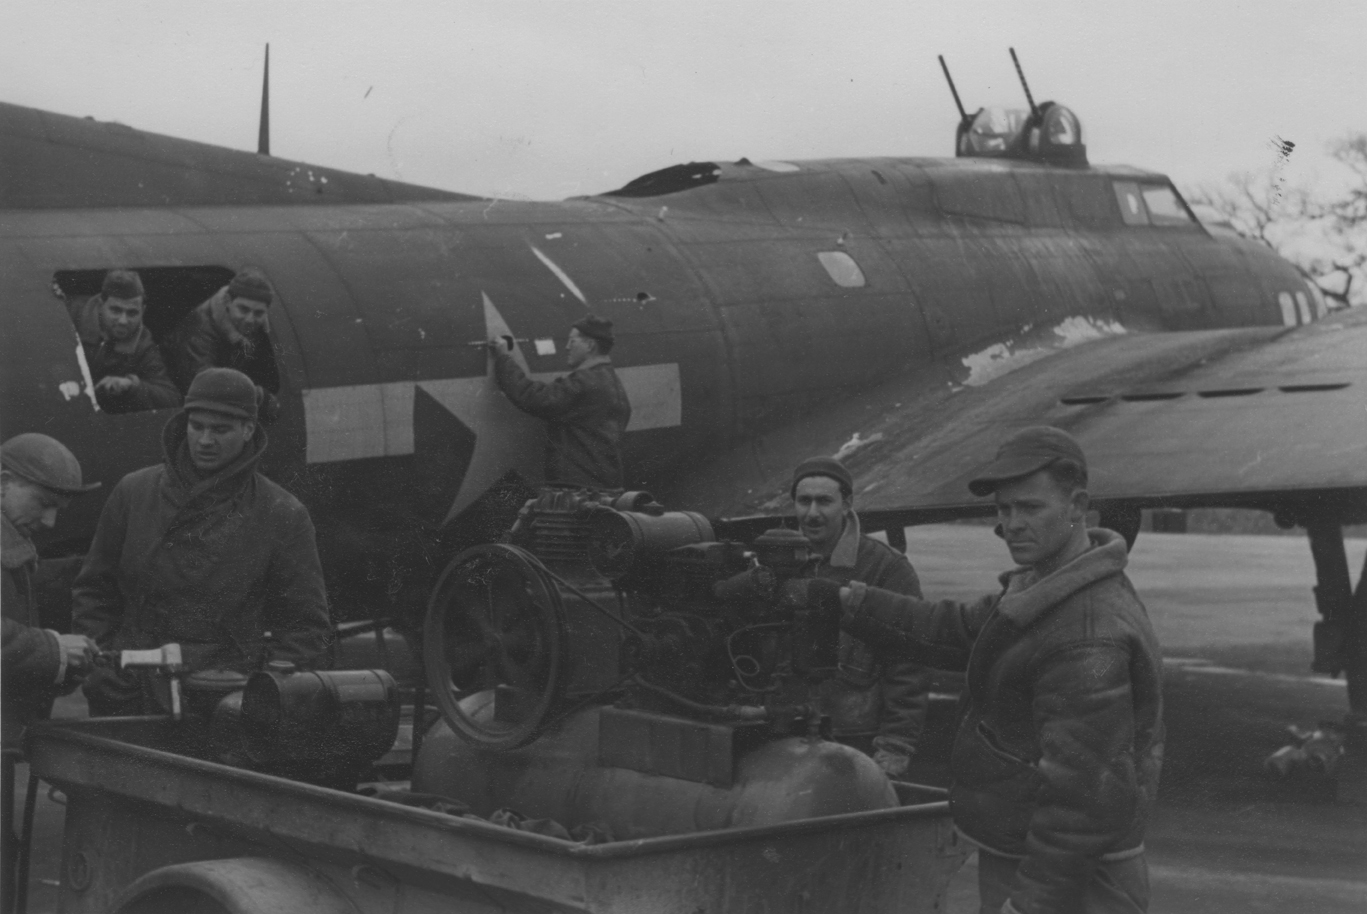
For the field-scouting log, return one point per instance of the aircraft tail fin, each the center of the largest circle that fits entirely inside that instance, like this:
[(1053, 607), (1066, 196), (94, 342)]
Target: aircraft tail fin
[(263, 136)]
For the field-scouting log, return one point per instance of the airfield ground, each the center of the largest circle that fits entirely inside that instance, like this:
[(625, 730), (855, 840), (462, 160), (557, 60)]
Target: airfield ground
[(1234, 616)]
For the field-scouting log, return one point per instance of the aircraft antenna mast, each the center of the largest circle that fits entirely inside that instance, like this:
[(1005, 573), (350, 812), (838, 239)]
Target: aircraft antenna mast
[(263, 136), (1024, 85), (963, 115)]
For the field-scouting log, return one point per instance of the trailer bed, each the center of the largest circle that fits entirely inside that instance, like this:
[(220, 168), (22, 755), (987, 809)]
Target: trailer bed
[(134, 807)]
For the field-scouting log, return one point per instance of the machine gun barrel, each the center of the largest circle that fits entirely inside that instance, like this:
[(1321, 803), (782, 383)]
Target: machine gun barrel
[(1034, 109), (963, 115)]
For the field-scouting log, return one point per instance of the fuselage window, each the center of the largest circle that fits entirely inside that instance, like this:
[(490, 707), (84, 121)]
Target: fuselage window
[(126, 321), (1288, 306), (842, 269), (1303, 306), (1164, 207), (1132, 209), (1316, 296)]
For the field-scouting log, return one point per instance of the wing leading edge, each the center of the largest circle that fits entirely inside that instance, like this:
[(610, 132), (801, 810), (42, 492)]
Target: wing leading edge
[(1265, 417)]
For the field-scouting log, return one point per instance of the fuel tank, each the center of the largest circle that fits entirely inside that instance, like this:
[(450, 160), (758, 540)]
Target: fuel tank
[(560, 777)]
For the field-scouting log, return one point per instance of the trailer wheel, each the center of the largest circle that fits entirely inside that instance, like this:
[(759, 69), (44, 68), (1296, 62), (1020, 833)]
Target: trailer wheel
[(247, 885)]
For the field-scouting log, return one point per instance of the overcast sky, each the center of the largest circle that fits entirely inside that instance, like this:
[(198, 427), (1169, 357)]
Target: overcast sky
[(552, 99)]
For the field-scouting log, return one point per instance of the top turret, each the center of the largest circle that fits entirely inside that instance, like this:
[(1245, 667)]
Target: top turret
[(1047, 133)]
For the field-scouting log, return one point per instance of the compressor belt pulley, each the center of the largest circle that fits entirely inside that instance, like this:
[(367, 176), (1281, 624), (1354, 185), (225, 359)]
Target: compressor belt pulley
[(494, 645)]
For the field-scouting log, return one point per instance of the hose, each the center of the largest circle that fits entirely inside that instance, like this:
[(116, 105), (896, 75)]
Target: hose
[(25, 846)]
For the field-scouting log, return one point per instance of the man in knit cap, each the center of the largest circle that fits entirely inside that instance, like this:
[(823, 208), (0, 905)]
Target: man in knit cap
[(868, 697), (1060, 737), (586, 411), (38, 476), (125, 363), (202, 550), (230, 330)]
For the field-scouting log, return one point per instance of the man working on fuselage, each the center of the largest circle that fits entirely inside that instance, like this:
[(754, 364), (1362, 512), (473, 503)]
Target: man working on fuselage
[(202, 550), (124, 361), (1060, 737), (586, 411), (868, 697)]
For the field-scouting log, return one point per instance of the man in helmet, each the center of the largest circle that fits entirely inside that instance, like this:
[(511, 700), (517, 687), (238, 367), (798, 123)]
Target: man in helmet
[(38, 476), (202, 550), (125, 363), (586, 411)]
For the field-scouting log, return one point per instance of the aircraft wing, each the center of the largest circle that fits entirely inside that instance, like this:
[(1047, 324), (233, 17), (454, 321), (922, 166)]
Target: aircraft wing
[(1265, 417)]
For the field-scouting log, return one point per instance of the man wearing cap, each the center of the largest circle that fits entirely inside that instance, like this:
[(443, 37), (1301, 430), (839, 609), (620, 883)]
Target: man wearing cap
[(1060, 737), (38, 476), (124, 361), (887, 699), (586, 411), (202, 550), (230, 330)]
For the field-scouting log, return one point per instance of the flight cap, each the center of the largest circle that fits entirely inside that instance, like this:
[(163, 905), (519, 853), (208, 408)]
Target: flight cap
[(595, 327), (823, 466), (252, 284), (44, 461), (226, 391), (121, 284), (1027, 451)]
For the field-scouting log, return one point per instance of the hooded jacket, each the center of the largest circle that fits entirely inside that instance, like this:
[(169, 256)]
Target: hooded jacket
[(138, 356), (30, 656), (206, 338), (586, 412), (1060, 738), (213, 564), (886, 697)]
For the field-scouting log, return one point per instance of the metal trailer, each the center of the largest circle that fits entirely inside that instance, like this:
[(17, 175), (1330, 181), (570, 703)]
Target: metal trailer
[(150, 830)]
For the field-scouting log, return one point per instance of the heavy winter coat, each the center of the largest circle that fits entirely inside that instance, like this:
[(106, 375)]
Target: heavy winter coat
[(138, 357), (213, 564), (586, 412), (206, 338), (884, 698), (30, 656), (1060, 737)]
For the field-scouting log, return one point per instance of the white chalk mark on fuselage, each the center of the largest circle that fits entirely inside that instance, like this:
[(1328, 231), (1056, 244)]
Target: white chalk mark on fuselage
[(559, 274)]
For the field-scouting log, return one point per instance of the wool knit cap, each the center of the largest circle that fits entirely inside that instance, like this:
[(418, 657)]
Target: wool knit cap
[(595, 327), (121, 284), (823, 466), (1024, 453), (226, 391), (251, 283), (45, 461)]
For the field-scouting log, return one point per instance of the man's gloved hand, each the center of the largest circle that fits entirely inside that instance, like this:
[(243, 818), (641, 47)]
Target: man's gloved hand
[(80, 651), (892, 755), (817, 595), (894, 764)]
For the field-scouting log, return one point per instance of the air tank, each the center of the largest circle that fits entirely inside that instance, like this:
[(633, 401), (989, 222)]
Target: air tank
[(559, 777)]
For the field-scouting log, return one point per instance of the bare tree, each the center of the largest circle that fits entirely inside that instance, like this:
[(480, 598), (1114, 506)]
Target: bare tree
[(1323, 233)]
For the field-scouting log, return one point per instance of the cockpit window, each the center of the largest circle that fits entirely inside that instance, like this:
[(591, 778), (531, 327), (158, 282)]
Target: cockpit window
[(1164, 206), (1132, 209), (842, 269)]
